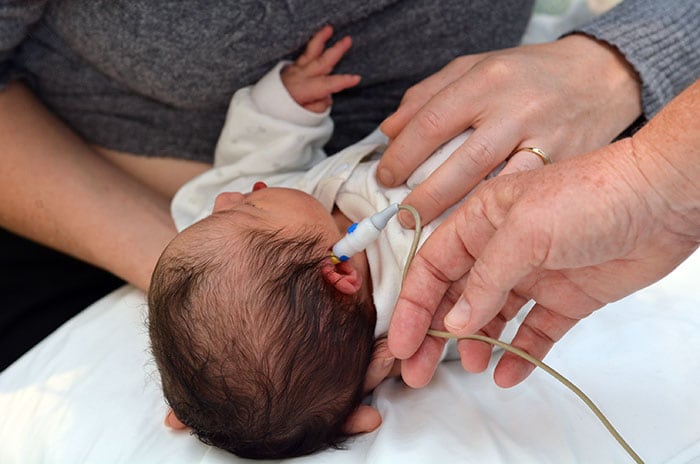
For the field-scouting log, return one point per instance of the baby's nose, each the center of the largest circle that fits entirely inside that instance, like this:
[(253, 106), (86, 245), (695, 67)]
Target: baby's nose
[(227, 200)]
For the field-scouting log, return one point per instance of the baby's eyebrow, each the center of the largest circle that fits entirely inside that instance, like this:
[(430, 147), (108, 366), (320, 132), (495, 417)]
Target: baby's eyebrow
[(250, 203), (240, 211)]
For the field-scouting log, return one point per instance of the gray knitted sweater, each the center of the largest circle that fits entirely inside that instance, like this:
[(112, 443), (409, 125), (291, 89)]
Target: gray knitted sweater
[(661, 39), (154, 77)]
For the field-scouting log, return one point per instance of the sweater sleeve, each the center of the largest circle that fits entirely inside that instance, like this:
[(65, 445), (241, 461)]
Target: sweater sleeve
[(660, 39), (16, 17)]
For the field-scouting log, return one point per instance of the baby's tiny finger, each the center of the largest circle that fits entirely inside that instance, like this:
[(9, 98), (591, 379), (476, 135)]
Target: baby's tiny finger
[(315, 46), (320, 89), (325, 63), (337, 82)]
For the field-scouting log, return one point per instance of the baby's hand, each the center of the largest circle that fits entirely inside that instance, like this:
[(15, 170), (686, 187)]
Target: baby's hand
[(309, 81)]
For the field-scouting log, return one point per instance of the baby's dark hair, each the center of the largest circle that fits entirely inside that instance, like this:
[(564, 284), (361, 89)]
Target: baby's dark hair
[(270, 367)]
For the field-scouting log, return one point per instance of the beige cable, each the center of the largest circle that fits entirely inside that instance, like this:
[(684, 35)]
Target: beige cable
[(517, 351)]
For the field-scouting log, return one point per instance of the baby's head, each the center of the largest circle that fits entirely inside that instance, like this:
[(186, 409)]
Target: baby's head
[(261, 343)]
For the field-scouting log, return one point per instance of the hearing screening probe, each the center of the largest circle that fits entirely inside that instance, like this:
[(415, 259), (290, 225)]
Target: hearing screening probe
[(361, 234)]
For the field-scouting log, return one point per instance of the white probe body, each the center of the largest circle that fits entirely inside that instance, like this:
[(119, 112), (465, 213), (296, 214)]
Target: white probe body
[(361, 234)]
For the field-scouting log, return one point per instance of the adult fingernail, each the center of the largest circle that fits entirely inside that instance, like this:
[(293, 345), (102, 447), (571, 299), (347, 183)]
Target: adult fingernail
[(406, 220), (385, 177), (458, 317)]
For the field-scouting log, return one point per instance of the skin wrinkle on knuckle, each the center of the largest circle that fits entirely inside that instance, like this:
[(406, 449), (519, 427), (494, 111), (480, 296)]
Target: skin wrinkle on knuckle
[(412, 310), (480, 278), (592, 302), (433, 196), (429, 123), (478, 154), (537, 334), (479, 206), (431, 270), (550, 325), (452, 295), (399, 162), (541, 246)]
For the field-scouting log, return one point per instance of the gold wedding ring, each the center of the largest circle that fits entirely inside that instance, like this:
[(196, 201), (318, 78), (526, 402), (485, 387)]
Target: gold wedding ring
[(543, 156)]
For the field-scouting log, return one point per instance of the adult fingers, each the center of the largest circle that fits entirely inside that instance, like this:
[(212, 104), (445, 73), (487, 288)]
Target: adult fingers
[(539, 331), (417, 370), (487, 146), (449, 112), (522, 160), (513, 251), (418, 301), (420, 367), (419, 94), (430, 276), (476, 354)]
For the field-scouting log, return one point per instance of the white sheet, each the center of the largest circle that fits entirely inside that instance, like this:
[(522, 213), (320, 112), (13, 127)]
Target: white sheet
[(89, 393)]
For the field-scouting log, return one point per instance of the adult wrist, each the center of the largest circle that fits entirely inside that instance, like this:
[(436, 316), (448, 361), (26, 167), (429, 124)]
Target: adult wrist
[(612, 71), (667, 152)]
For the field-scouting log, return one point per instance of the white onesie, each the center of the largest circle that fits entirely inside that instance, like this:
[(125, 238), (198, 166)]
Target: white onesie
[(268, 137)]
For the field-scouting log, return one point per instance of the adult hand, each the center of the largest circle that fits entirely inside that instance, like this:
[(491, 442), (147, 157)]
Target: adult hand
[(566, 97), (572, 236)]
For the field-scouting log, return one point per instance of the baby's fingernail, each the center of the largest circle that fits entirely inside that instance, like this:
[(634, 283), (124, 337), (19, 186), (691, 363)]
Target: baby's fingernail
[(458, 317), (387, 362), (385, 177)]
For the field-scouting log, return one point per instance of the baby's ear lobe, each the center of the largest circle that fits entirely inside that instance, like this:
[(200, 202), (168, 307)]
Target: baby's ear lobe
[(173, 422), (343, 276)]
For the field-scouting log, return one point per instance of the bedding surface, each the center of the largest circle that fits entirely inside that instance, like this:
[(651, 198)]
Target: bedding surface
[(89, 394)]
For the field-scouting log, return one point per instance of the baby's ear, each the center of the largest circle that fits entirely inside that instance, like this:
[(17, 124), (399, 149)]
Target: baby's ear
[(343, 276), (173, 422)]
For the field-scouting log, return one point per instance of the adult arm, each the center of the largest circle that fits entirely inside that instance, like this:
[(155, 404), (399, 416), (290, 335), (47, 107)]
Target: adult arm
[(57, 191), (660, 40), (573, 236), (566, 97)]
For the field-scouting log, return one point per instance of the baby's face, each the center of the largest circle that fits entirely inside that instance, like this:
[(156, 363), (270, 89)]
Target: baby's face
[(277, 208)]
